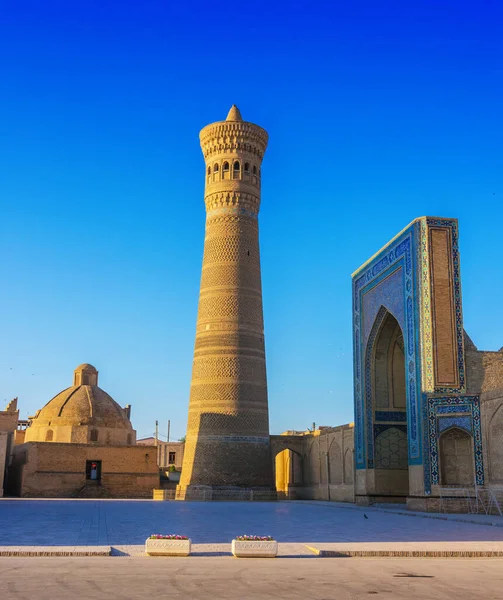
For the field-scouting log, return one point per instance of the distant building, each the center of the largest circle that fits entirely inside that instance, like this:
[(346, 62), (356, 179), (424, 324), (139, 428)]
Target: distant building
[(169, 454), (8, 423)]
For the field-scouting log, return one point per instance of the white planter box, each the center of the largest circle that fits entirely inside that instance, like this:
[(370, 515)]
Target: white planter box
[(167, 547), (254, 549)]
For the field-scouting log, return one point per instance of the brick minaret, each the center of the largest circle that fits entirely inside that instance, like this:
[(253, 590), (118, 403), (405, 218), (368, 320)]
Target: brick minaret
[(227, 441)]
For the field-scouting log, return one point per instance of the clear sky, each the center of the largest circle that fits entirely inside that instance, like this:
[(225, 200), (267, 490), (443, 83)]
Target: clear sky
[(378, 112)]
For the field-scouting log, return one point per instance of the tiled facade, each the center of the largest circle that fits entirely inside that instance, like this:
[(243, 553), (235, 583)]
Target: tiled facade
[(414, 284)]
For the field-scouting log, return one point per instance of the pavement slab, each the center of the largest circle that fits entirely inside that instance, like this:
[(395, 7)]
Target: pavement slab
[(224, 578)]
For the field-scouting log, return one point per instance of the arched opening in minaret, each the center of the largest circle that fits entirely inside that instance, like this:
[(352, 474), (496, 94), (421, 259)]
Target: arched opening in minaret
[(388, 427), (215, 172), (288, 473), (225, 170), (236, 170)]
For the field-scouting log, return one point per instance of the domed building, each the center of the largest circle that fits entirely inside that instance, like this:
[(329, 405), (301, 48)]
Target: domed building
[(82, 444), (83, 414)]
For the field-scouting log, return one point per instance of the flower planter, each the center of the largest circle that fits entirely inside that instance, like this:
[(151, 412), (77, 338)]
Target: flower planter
[(254, 549), (165, 547)]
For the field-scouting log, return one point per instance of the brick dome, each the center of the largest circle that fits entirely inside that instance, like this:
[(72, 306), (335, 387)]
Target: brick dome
[(84, 405), (86, 367), (82, 413)]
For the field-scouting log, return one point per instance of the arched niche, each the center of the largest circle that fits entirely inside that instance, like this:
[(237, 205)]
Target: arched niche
[(348, 466), (336, 467), (385, 414), (456, 458)]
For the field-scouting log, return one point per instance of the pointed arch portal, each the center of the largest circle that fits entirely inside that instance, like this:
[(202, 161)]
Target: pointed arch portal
[(385, 397), (409, 370)]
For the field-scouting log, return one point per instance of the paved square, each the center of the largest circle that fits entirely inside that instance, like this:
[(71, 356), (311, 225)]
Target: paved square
[(129, 523), (256, 579)]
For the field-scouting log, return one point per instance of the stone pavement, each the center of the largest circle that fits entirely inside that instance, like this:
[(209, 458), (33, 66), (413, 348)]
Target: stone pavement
[(124, 525), (232, 579), (399, 509)]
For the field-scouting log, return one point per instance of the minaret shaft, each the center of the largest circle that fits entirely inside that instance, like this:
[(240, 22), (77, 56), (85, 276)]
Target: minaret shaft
[(227, 441)]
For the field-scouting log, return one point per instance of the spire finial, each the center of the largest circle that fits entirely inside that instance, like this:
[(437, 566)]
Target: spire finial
[(234, 114)]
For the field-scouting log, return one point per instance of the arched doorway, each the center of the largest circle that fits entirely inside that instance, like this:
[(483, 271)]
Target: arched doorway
[(456, 458), (288, 469), (387, 415)]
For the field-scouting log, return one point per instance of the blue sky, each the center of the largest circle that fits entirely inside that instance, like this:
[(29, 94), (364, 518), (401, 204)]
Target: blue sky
[(378, 112)]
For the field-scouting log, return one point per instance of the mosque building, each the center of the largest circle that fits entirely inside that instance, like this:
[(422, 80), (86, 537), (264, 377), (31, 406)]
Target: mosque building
[(82, 444), (428, 404)]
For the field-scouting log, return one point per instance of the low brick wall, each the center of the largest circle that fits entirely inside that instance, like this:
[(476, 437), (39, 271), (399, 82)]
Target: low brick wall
[(47, 469)]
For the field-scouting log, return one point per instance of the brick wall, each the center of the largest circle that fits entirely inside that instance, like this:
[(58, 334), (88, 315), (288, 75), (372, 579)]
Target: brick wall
[(59, 470), (485, 377), (325, 461), (329, 465), (484, 371)]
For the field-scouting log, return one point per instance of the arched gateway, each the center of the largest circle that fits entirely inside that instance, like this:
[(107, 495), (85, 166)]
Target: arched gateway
[(385, 397), (413, 420), (287, 464)]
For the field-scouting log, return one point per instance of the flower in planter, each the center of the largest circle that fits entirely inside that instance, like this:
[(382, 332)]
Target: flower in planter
[(158, 536), (254, 538)]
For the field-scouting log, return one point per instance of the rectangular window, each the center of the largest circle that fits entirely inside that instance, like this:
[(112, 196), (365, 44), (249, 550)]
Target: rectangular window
[(172, 457)]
